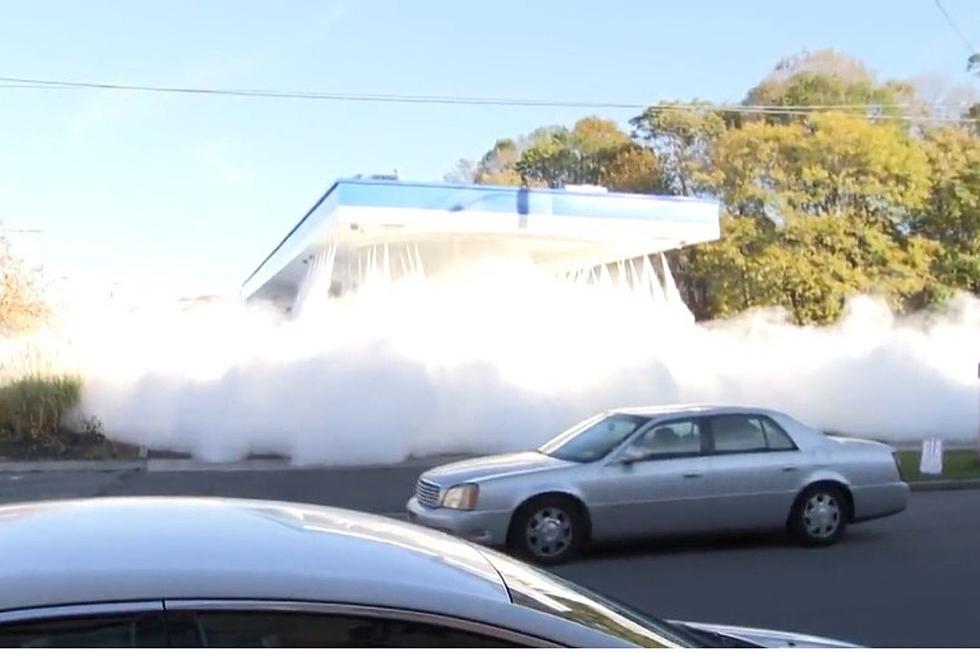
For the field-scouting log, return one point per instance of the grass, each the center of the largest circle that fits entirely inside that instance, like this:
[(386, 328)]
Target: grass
[(958, 464), (35, 406), (35, 412)]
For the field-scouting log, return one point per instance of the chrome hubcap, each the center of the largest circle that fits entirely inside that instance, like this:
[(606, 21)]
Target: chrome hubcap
[(549, 532), (821, 515)]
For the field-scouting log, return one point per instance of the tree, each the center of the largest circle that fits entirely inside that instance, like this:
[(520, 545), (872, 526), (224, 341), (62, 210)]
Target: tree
[(828, 78), (634, 169), (582, 155), (831, 164), (973, 113), (682, 138), (817, 204), (952, 212), (593, 151), (810, 265), (498, 164), (817, 210), (463, 172), (21, 305)]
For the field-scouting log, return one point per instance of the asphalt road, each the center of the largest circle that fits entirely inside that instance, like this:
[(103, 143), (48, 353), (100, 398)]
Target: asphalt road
[(909, 580)]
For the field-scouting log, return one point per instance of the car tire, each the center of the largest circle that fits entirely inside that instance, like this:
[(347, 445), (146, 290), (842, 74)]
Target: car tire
[(548, 530), (820, 515)]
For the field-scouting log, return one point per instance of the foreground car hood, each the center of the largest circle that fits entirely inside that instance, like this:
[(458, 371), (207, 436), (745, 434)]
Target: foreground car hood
[(475, 470), (768, 638)]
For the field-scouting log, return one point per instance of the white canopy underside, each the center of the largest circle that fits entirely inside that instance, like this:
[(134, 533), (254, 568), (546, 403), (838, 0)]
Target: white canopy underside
[(399, 242)]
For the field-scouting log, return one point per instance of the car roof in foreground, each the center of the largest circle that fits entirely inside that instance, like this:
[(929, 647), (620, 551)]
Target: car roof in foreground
[(98, 550)]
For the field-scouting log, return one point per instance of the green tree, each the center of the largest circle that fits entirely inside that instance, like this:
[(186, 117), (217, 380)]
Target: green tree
[(817, 210), (634, 169), (810, 265), (498, 164), (828, 78), (682, 139), (952, 211), (831, 164), (584, 154), (818, 204)]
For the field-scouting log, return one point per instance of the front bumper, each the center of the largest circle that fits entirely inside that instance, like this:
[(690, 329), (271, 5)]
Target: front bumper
[(480, 526)]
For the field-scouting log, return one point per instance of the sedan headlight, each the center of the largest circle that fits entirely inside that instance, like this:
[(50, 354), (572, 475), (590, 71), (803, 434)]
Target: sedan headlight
[(461, 497)]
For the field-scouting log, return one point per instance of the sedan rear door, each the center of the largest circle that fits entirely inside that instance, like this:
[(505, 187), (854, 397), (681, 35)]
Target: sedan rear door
[(758, 471)]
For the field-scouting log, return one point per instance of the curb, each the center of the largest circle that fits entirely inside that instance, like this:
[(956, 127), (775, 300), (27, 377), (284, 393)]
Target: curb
[(189, 465), (186, 465), (951, 484), (40, 466)]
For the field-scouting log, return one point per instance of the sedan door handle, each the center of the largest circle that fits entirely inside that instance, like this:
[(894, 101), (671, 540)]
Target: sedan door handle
[(692, 475), (789, 469)]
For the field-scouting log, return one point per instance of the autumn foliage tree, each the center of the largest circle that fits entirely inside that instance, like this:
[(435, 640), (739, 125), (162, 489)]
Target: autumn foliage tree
[(21, 305), (835, 195)]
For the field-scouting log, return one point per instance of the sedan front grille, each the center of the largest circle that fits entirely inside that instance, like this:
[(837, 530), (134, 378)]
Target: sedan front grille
[(427, 493)]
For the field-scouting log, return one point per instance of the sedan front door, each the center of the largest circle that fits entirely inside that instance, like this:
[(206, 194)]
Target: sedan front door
[(656, 487)]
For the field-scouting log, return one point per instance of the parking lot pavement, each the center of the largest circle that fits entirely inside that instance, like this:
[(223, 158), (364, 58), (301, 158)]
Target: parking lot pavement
[(908, 580), (37, 486)]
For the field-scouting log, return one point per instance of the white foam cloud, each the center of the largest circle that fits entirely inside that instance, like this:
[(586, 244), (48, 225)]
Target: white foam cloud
[(499, 362)]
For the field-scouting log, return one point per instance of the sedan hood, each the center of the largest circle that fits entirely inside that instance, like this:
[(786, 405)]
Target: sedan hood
[(475, 470), (764, 638)]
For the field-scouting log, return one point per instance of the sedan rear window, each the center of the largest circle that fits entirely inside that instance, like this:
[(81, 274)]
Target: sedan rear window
[(748, 433), (594, 439)]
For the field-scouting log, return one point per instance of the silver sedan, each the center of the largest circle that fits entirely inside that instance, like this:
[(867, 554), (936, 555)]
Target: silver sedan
[(186, 573), (665, 470)]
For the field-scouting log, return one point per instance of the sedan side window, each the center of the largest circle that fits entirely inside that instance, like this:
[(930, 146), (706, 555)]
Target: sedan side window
[(747, 433), (264, 629), (738, 433), (776, 437), (102, 631), (673, 439)]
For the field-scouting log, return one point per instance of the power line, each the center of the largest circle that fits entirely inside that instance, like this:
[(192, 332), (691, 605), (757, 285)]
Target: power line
[(770, 109), (956, 28)]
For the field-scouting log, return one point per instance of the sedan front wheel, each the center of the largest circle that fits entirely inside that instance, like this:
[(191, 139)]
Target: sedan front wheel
[(548, 530)]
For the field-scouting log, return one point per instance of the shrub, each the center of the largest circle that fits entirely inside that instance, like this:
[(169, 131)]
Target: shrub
[(34, 408)]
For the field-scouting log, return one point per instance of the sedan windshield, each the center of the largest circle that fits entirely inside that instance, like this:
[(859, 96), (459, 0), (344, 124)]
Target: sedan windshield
[(593, 439), (536, 589)]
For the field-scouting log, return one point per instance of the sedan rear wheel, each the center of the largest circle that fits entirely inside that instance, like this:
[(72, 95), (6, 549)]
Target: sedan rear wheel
[(548, 530), (820, 515)]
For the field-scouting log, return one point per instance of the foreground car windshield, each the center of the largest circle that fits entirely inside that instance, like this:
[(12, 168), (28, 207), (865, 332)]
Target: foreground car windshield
[(593, 439), (539, 590)]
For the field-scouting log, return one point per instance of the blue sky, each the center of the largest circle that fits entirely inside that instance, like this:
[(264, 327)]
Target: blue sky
[(190, 193)]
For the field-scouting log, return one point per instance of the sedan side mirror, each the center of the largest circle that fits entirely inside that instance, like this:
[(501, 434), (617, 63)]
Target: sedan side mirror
[(633, 455)]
